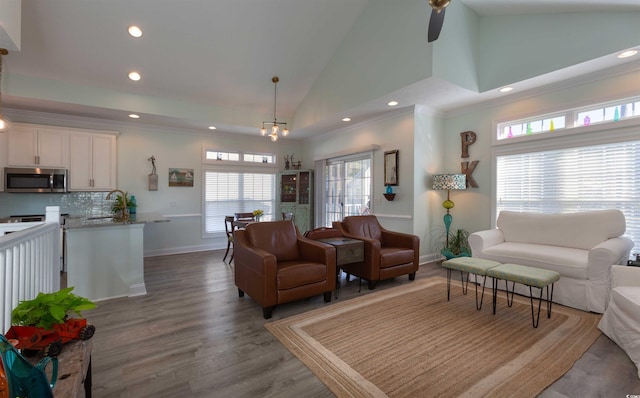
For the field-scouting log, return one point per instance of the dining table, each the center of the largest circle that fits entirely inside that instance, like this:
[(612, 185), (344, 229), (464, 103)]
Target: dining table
[(242, 224)]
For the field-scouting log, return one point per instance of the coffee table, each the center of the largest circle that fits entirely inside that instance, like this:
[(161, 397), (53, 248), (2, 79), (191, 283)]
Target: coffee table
[(347, 251)]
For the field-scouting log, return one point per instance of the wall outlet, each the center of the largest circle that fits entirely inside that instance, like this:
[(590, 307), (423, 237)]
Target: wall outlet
[(173, 204)]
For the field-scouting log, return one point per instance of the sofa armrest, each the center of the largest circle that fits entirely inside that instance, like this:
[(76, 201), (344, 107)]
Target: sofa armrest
[(313, 250), (481, 240), (400, 239), (611, 251), (622, 275)]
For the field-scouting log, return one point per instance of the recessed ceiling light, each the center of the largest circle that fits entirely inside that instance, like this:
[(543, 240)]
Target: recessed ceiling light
[(506, 89), (392, 103), (134, 116), (212, 127), (135, 31), (346, 119), (627, 54), (135, 76)]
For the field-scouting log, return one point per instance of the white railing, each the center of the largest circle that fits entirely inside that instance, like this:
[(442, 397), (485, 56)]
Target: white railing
[(29, 264)]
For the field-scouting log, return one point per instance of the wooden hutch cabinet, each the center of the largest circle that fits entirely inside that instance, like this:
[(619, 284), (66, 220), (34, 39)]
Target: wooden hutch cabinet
[(296, 196)]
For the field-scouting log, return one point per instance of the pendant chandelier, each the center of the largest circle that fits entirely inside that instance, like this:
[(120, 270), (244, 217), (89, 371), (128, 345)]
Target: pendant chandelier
[(275, 125), (4, 121)]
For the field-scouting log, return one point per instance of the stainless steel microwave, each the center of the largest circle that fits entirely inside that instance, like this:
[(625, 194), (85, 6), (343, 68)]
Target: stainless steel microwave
[(35, 180)]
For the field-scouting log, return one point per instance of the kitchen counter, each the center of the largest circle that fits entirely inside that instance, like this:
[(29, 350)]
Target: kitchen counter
[(105, 257), (139, 218)]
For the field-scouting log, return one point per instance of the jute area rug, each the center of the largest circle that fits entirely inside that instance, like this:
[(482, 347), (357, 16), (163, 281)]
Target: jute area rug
[(409, 341)]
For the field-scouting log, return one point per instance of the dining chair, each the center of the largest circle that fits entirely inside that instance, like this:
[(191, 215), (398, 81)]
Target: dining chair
[(228, 228), (244, 217), (287, 216)]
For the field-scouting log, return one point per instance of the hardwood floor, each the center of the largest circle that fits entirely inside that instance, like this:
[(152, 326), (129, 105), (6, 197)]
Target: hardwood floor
[(191, 335)]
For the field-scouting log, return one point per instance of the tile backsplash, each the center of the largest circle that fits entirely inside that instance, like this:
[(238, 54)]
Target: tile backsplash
[(87, 204)]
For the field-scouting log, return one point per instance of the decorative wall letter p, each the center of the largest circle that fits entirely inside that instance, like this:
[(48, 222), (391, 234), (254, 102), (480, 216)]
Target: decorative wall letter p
[(467, 138)]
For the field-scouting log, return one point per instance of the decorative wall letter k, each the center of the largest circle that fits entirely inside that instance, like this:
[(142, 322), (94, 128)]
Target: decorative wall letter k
[(468, 170)]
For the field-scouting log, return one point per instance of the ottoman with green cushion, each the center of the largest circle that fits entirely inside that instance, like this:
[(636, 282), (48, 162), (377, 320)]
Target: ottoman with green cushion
[(469, 265), (529, 276)]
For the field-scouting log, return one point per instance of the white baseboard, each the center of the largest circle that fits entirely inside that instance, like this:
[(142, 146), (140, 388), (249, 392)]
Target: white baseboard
[(139, 289), (429, 258), (181, 250)]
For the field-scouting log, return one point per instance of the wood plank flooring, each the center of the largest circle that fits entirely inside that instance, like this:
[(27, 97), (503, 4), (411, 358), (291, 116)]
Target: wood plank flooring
[(192, 336)]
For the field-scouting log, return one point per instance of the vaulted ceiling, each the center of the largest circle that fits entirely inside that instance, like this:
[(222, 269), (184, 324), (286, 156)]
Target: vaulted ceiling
[(210, 62)]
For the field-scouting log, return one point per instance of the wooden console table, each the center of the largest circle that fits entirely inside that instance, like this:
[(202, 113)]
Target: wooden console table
[(347, 251), (74, 370)]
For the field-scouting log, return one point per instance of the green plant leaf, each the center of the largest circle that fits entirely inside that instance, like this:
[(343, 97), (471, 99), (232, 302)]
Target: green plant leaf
[(48, 309)]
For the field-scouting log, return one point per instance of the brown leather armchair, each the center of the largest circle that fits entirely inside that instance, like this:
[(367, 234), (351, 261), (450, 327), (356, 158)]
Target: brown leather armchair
[(387, 254), (274, 264)]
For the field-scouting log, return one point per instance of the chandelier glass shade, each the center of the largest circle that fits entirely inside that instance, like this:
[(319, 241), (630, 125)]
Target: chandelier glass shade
[(4, 121), (275, 125)]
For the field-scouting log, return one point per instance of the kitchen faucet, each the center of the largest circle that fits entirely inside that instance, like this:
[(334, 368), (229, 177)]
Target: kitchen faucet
[(125, 216)]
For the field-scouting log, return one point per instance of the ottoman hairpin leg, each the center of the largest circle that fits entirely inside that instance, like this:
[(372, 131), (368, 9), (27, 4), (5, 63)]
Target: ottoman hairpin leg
[(549, 301), (469, 265), (528, 276), (462, 282)]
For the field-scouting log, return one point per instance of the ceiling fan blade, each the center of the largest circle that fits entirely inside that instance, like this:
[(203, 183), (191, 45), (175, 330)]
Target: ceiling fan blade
[(435, 24)]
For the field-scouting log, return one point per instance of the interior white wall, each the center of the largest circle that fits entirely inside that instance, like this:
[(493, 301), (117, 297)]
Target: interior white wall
[(395, 131), (172, 149), (456, 52), (428, 154), (473, 207), (513, 48), (10, 23), (385, 50), (184, 232)]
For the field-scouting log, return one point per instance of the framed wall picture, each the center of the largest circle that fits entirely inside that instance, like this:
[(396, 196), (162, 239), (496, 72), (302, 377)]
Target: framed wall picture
[(180, 177), (391, 167)]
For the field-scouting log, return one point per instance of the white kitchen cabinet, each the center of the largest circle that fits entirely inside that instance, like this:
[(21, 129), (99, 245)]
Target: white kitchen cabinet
[(30, 146), (92, 162)]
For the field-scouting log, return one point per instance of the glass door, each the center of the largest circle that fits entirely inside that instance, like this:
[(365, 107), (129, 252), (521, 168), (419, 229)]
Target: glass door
[(348, 188)]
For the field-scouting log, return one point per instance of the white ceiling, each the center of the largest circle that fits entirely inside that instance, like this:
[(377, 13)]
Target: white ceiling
[(217, 52)]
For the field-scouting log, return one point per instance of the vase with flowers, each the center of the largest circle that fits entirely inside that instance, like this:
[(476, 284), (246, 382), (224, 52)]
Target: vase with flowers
[(257, 214)]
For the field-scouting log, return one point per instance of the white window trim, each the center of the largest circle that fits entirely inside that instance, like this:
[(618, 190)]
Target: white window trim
[(239, 163), (570, 127)]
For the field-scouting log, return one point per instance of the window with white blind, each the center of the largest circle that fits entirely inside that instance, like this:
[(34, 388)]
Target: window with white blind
[(236, 191), (572, 179)]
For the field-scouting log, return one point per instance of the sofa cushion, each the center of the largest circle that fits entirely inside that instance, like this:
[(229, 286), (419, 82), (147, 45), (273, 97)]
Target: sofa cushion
[(576, 230), (627, 298), (299, 273), (567, 261), (392, 256)]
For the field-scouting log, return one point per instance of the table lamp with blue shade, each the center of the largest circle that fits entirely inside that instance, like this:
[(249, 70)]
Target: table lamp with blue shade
[(449, 182)]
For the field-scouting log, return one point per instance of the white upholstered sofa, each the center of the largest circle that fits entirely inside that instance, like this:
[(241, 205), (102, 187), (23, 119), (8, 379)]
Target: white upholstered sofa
[(582, 247), (621, 320)]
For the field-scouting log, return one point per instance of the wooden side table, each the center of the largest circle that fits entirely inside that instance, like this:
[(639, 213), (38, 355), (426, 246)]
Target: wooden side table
[(347, 251), (74, 370)]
